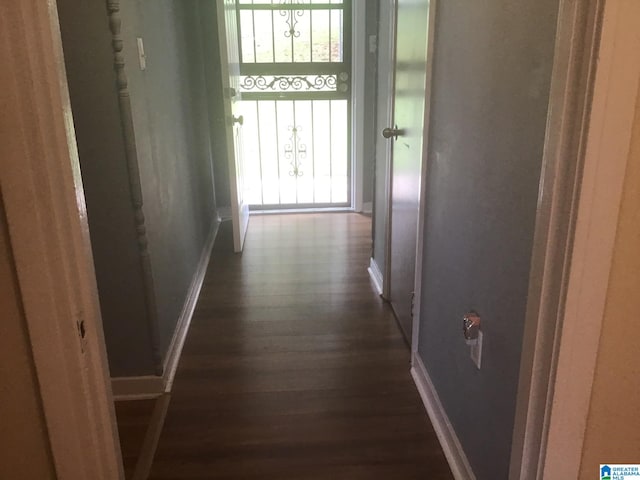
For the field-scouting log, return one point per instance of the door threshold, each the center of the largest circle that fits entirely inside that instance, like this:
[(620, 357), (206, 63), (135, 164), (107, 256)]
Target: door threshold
[(279, 211)]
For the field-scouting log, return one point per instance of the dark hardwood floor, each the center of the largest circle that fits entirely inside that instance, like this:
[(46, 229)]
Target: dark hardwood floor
[(293, 367), (134, 417)]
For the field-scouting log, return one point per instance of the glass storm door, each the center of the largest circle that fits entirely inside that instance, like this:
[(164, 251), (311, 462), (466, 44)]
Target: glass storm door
[(295, 84)]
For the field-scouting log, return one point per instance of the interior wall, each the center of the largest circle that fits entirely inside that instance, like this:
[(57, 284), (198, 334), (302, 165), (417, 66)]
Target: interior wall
[(169, 102), (171, 119), (88, 58), (491, 75), (24, 444), (612, 432)]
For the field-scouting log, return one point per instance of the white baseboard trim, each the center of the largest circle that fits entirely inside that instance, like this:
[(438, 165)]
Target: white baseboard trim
[(453, 450), (224, 213), (151, 386), (137, 388), (182, 328), (367, 208), (151, 438), (376, 275)]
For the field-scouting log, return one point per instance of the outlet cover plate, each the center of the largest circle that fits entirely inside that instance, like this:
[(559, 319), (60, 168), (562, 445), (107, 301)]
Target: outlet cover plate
[(476, 351)]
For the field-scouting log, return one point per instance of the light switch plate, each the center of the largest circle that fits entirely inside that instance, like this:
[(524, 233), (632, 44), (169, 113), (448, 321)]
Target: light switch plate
[(142, 59), (476, 351)]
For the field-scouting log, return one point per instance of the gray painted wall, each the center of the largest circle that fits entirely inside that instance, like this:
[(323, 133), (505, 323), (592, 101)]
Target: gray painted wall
[(171, 120), (492, 69), (92, 87)]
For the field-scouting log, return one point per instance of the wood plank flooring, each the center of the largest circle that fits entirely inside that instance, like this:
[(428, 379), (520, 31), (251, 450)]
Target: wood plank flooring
[(293, 367), (134, 418)]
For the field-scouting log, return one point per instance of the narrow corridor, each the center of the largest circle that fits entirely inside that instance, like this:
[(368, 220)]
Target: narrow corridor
[(293, 367)]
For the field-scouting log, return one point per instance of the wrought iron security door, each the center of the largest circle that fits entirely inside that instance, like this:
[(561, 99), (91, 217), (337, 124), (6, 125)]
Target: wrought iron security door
[(295, 81)]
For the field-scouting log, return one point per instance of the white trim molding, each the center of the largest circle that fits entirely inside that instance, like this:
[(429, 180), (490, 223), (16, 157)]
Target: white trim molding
[(224, 213), (458, 462), (152, 386), (390, 8), (358, 56), (376, 275), (151, 439), (575, 57), (137, 388), (606, 158), (184, 322)]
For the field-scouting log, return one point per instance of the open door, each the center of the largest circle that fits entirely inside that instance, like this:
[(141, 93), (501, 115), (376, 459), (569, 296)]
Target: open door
[(406, 135), (230, 69)]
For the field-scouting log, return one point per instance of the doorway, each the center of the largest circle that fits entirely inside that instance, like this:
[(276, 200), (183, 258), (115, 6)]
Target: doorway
[(295, 89), (71, 211)]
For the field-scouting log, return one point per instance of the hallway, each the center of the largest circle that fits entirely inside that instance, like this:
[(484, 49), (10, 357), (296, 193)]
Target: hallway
[(293, 367)]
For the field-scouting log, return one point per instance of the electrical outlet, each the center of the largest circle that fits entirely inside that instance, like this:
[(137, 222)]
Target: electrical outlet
[(476, 350)]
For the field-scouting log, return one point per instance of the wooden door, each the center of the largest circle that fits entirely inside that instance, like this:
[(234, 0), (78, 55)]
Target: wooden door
[(384, 118), (406, 135), (230, 68)]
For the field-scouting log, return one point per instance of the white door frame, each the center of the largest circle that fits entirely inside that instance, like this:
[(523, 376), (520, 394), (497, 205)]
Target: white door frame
[(229, 43), (567, 123), (433, 5), (386, 273), (44, 202), (358, 55), (606, 154)]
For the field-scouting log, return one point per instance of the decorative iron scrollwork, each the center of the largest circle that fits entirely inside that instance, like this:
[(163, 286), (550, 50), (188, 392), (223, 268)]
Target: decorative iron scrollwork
[(295, 151), (292, 19), (284, 83)]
